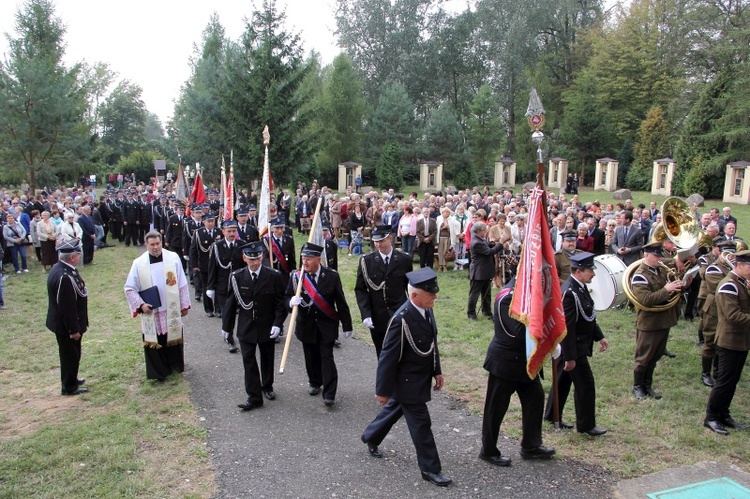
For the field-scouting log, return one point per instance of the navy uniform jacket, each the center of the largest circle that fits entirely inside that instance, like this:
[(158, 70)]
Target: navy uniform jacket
[(287, 249), (313, 324), (201, 247), (403, 374), (579, 342), (222, 262), (188, 229), (173, 236), (380, 305), (249, 233), (332, 254), (161, 217), (130, 212), (68, 311), (144, 214), (265, 302), (506, 354)]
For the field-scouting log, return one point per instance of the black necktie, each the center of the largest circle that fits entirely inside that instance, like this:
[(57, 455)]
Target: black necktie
[(312, 278), (254, 277), (627, 229), (386, 261)]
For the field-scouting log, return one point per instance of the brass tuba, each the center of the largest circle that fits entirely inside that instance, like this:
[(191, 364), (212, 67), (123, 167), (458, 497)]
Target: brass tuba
[(680, 226)]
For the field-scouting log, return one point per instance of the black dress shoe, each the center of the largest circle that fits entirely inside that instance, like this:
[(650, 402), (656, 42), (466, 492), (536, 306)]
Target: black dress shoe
[(564, 425), (232, 347), (715, 427), (437, 478), (652, 393), (337, 343), (329, 402), (313, 390), (249, 405), (269, 394), (77, 391), (80, 381), (209, 314), (198, 299), (372, 448), (639, 392), (496, 460), (706, 378), (669, 354), (594, 432), (472, 317), (729, 422), (540, 452)]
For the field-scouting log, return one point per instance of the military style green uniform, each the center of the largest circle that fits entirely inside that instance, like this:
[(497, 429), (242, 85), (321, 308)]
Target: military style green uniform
[(562, 261)]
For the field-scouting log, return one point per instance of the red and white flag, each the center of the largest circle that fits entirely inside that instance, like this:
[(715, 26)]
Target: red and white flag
[(537, 299)]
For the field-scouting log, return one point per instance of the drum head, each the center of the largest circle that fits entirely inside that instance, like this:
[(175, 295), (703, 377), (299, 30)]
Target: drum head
[(606, 287)]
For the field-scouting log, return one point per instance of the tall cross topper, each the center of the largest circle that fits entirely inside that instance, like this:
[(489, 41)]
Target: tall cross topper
[(266, 136), (535, 111)]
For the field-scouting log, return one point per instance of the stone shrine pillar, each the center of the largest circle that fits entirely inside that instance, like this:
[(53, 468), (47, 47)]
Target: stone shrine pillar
[(505, 173), (661, 180), (737, 183), (348, 173), (557, 174), (606, 174), (430, 176)]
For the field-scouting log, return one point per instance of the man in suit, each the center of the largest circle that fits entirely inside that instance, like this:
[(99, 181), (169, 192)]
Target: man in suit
[(556, 231), (282, 247), (506, 364), (732, 342), (577, 346), (627, 239), (381, 284), (200, 250), (67, 313), (408, 362), (130, 219), (224, 258), (245, 230), (653, 211), (730, 231), (596, 233), (257, 296), (426, 235), (88, 236), (322, 306), (728, 218), (481, 270)]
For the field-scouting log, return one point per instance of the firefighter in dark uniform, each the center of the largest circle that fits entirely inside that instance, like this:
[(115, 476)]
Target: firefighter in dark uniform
[(732, 343), (245, 231), (322, 306), (332, 247), (214, 205), (224, 258), (577, 346), (105, 211), (130, 219), (282, 248), (145, 217), (381, 284), (506, 364), (199, 256), (162, 212), (257, 298), (115, 221), (562, 257), (173, 237), (651, 287), (409, 361), (191, 224)]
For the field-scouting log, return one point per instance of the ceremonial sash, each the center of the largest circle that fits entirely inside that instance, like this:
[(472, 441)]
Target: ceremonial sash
[(316, 298), (172, 300), (503, 292), (279, 255)]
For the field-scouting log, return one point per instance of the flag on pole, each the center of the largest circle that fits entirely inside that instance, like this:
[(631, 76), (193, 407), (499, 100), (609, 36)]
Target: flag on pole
[(181, 193), (229, 191), (223, 183), (266, 189), (537, 299), (198, 194), (318, 238)]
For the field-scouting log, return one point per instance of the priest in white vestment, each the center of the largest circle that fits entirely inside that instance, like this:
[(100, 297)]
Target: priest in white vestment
[(161, 318)]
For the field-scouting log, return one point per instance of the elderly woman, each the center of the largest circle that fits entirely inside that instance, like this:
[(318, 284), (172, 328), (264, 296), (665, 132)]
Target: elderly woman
[(69, 229), (518, 233), (15, 237), (584, 242), (35, 219), (47, 231), (460, 222), (609, 233), (335, 211), (446, 236)]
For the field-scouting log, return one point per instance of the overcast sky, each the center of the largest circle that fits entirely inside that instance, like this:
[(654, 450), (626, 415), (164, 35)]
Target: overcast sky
[(149, 42)]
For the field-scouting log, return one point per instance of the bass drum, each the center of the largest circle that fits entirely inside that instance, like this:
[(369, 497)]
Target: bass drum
[(606, 287)]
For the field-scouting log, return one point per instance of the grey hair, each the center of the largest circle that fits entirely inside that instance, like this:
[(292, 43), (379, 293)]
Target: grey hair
[(477, 227)]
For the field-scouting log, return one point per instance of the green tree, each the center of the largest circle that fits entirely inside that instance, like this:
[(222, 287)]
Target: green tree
[(444, 142), (485, 132), (42, 103), (652, 143), (123, 121), (389, 171)]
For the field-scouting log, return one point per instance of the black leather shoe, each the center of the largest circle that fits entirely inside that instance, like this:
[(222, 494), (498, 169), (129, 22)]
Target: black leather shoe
[(652, 393), (313, 390), (729, 422), (77, 391), (706, 378), (540, 452), (594, 432), (80, 381), (337, 343), (639, 392), (269, 394), (372, 448), (329, 402), (669, 354), (437, 478), (249, 405), (496, 460), (564, 425), (209, 314), (232, 347), (472, 317), (715, 427), (198, 299)]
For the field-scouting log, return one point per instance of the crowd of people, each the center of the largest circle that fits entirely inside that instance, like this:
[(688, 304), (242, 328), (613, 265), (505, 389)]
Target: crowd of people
[(248, 277)]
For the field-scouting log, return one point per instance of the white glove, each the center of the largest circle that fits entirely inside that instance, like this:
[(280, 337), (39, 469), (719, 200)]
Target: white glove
[(275, 331), (186, 257), (210, 293), (224, 334), (557, 352), (295, 300), (368, 322), (347, 334)]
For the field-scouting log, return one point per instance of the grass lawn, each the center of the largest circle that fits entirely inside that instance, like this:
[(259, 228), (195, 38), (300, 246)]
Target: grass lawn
[(129, 437)]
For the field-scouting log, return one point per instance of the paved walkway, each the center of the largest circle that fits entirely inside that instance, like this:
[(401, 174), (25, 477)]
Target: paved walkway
[(294, 446)]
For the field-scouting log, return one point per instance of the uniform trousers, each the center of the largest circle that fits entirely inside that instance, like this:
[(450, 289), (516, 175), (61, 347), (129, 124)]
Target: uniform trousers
[(496, 404), (426, 252), (131, 234), (70, 359), (208, 303), (219, 300), (321, 367), (649, 348), (420, 428), (584, 396), (731, 363), (480, 289), (255, 379), (197, 282)]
